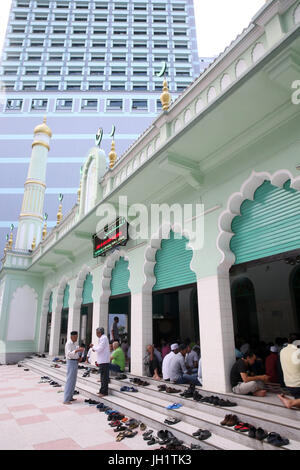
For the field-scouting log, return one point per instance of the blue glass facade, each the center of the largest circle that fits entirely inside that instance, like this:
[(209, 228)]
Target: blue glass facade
[(85, 64)]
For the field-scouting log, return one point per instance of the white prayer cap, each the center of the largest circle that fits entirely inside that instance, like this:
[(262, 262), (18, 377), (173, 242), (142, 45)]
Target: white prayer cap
[(174, 346)]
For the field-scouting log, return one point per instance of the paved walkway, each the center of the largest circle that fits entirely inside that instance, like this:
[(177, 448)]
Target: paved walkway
[(32, 417)]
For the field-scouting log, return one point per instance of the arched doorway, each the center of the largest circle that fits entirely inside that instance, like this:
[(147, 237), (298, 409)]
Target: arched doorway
[(244, 310), (64, 320), (86, 312), (175, 305), (120, 299), (48, 324), (266, 244)]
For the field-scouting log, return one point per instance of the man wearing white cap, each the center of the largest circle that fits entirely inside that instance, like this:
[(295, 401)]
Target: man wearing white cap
[(166, 361)]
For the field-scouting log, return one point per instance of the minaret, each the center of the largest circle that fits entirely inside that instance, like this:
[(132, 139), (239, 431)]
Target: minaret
[(31, 216)]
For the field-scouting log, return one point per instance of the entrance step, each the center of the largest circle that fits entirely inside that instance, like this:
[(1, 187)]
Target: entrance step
[(150, 404)]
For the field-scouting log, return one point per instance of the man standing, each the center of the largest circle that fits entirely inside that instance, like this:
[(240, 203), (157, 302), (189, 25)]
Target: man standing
[(115, 330), (103, 360), (73, 354)]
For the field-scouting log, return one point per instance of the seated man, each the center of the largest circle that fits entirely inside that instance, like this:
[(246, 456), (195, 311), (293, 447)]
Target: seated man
[(151, 361), (166, 361), (290, 363), (244, 384), (178, 371), (191, 360), (117, 358)]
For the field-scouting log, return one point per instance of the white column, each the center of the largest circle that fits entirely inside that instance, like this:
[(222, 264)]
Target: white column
[(141, 330), (74, 309), (216, 332), (55, 325)]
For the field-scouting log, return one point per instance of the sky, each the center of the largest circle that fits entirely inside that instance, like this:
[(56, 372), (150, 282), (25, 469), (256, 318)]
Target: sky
[(218, 22)]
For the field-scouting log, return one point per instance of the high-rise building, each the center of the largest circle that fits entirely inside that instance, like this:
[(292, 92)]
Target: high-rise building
[(85, 64)]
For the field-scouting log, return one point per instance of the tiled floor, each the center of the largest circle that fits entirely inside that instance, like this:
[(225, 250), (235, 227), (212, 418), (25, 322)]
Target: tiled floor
[(32, 416)]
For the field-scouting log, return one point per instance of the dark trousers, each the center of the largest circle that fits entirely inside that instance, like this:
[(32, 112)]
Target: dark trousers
[(104, 377), (295, 392)]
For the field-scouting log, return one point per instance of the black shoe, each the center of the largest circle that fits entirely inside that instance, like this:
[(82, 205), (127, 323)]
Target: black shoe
[(261, 434), (252, 432)]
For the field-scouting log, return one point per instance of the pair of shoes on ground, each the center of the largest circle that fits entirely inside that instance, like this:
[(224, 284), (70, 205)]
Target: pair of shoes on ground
[(166, 437), (127, 433), (202, 434), (171, 421), (121, 377), (216, 401), (197, 396), (128, 389), (137, 381), (230, 420), (172, 390), (54, 384), (90, 401), (188, 392)]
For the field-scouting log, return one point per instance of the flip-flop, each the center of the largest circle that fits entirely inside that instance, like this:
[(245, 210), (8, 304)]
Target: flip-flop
[(174, 406), (130, 433)]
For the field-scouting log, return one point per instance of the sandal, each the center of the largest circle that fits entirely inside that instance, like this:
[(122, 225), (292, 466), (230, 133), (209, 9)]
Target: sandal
[(152, 441), (130, 433), (120, 436), (174, 406), (204, 434), (172, 421), (276, 440)]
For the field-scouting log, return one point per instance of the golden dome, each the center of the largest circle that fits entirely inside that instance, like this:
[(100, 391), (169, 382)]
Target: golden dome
[(43, 128)]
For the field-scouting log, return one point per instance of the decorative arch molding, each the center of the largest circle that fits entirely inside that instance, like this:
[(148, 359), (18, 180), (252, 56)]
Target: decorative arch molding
[(258, 51), (225, 81), (79, 286), (44, 313), (297, 15), (240, 68), (107, 273), (155, 245), (235, 201), (46, 300), (60, 294), (23, 309)]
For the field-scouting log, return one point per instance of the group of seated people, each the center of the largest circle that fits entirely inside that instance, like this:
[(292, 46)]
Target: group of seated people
[(273, 363), (178, 362)]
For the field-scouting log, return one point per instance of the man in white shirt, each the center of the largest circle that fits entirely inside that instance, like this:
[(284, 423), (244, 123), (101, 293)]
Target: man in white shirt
[(103, 360), (290, 363), (73, 354), (166, 361)]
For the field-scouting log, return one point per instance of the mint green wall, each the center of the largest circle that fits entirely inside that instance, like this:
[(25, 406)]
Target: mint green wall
[(268, 225), (173, 261), (66, 297), (87, 293), (120, 277)]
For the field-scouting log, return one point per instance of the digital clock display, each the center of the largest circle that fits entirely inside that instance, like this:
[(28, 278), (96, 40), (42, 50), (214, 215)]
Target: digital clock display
[(111, 236)]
